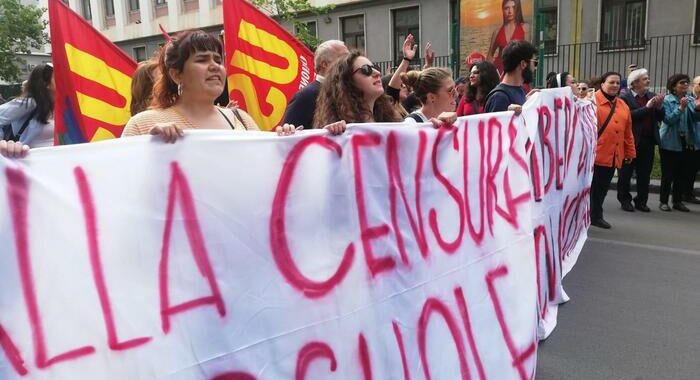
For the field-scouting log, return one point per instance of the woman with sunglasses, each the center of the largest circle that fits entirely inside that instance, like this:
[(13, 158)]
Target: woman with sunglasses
[(436, 90), (353, 93), (676, 143)]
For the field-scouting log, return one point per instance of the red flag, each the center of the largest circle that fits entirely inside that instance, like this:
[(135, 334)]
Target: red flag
[(93, 79), (266, 65)]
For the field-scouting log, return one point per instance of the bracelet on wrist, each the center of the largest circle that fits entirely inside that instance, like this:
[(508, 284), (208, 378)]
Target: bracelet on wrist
[(406, 59)]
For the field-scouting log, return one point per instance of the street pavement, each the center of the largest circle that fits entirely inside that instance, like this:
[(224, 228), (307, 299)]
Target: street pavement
[(635, 301)]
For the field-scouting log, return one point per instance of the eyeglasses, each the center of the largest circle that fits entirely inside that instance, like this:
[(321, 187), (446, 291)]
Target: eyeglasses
[(367, 70)]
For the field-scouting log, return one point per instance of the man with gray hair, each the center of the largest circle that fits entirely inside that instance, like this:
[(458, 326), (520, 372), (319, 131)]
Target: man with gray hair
[(300, 110), (647, 111)]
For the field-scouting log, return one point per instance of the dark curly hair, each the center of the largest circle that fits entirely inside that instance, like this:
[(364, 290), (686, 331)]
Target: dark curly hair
[(339, 98), (673, 81), (173, 56), (488, 80)]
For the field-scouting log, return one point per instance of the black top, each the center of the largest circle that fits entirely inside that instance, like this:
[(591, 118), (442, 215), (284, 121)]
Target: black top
[(503, 96), (642, 115), (300, 110)]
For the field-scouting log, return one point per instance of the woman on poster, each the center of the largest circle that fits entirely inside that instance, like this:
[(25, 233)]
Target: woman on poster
[(514, 28)]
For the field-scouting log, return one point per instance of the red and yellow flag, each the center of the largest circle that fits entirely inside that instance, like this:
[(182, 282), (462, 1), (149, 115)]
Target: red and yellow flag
[(93, 80), (266, 65)]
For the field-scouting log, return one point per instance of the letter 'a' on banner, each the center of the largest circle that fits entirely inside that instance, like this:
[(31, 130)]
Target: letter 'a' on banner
[(265, 64), (93, 80)]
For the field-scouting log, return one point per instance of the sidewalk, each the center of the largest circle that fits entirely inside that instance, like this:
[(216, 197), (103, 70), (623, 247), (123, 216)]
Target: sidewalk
[(654, 186)]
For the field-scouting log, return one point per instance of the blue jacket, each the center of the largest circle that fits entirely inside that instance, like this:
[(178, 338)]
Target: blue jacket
[(676, 123), (695, 124)]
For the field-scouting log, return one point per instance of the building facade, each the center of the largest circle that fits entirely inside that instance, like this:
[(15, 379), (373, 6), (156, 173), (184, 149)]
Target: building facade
[(585, 37)]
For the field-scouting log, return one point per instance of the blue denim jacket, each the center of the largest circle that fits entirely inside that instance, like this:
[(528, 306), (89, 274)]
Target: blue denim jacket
[(675, 123)]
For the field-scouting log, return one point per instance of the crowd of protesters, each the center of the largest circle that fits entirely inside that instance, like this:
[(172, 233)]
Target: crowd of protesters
[(181, 88)]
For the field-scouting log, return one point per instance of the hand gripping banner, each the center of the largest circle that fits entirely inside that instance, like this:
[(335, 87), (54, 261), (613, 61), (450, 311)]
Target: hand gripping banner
[(93, 80), (265, 64)]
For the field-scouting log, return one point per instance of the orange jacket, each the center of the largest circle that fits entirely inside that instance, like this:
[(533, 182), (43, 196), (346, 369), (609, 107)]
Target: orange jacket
[(617, 141)]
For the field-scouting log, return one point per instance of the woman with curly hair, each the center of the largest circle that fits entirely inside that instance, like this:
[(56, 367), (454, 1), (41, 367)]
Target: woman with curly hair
[(483, 77), (353, 93)]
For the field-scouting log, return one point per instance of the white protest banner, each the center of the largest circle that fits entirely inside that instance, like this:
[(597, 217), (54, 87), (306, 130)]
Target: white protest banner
[(562, 150), (386, 252)]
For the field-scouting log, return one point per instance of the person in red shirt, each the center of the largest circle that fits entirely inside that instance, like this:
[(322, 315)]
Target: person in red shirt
[(483, 77)]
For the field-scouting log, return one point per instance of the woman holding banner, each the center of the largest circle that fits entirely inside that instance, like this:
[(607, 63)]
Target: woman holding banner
[(513, 28), (353, 93), (436, 90), (615, 143), (192, 77)]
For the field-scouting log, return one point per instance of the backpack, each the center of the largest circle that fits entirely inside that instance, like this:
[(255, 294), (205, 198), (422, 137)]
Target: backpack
[(496, 89), (9, 135)]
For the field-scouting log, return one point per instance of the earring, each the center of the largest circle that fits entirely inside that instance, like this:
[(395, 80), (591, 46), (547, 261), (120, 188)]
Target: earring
[(179, 89)]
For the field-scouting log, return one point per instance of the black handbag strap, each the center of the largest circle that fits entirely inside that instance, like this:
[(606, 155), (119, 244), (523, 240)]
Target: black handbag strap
[(24, 125), (607, 121)]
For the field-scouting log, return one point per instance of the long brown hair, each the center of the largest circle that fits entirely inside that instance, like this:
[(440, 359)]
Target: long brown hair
[(142, 86), (340, 99), (173, 56)]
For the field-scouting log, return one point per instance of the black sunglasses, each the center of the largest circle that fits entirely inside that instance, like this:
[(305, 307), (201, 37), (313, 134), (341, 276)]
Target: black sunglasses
[(367, 70)]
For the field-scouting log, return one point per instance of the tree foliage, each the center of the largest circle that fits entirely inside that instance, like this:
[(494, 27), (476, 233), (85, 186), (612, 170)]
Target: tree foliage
[(290, 10), (21, 29)]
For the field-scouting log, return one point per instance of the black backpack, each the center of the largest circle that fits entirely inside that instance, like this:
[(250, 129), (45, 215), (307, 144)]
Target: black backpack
[(9, 135)]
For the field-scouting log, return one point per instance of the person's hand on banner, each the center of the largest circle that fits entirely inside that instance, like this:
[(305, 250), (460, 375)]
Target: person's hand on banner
[(168, 131), (11, 149), (287, 129), (517, 108), (409, 48), (336, 128), (445, 118)]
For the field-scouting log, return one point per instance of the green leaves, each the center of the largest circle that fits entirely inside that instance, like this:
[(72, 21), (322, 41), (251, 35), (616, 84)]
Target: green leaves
[(21, 30), (291, 10)]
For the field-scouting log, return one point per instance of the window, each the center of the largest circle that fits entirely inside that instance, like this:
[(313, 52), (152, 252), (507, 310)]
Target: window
[(353, 32), (109, 8), (134, 5), (405, 21), (160, 3), (309, 26), (140, 53), (622, 24), (549, 16), (87, 11), (696, 32)]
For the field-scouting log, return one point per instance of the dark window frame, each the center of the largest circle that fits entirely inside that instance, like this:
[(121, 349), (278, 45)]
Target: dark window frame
[(86, 9), (620, 38), (398, 34), (551, 45), (345, 35), (109, 8), (133, 3)]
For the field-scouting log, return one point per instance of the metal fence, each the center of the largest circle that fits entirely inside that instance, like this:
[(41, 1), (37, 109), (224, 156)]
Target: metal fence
[(662, 56)]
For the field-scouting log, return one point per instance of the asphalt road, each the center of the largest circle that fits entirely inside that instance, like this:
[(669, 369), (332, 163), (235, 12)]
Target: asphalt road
[(635, 301)]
